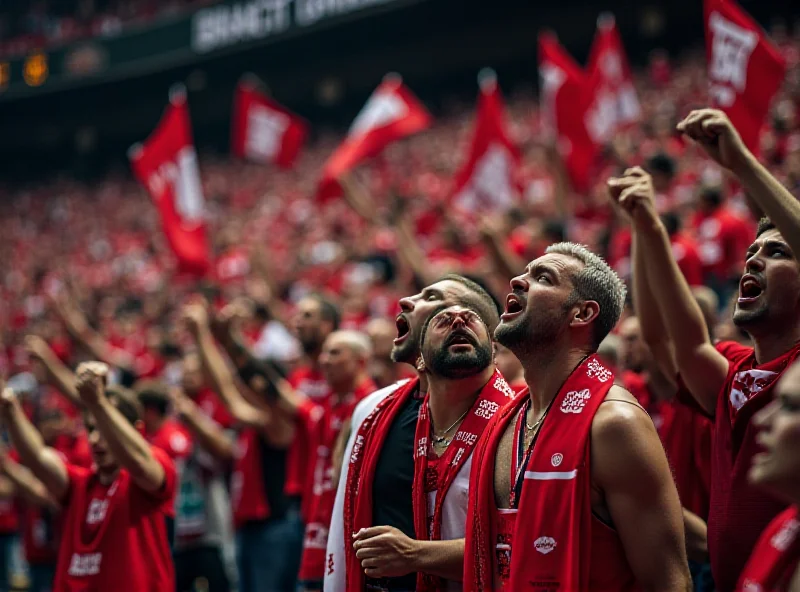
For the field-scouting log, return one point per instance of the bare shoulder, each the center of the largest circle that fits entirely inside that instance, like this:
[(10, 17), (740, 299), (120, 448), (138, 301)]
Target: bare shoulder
[(623, 435), (619, 415)]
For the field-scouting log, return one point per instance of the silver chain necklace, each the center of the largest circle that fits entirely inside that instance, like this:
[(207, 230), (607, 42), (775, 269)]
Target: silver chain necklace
[(442, 439)]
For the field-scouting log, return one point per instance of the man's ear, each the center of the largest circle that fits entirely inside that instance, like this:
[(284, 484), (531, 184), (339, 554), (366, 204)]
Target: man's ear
[(584, 313)]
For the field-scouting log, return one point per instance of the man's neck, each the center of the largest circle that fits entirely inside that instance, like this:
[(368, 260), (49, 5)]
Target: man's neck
[(452, 398), (107, 477), (545, 374), (347, 388), (773, 344)]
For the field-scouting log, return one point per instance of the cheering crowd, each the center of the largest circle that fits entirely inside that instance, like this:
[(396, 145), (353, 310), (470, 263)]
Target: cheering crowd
[(634, 401)]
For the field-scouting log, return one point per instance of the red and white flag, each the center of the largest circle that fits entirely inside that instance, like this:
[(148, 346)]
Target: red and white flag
[(567, 100), (166, 164), (616, 103), (264, 131), (489, 177), (744, 69), (391, 113)]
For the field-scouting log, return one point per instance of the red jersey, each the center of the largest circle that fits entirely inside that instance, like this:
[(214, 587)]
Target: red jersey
[(209, 403), (311, 383), (115, 536), (739, 512), (9, 517), (324, 429), (776, 556)]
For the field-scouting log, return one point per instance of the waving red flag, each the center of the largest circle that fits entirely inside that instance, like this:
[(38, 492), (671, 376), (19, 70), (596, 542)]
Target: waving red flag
[(166, 164), (744, 69), (264, 131), (567, 99), (391, 113), (615, 95), (488, 179)]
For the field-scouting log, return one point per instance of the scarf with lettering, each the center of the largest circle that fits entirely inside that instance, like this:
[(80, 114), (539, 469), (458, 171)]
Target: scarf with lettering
[(554, 516), (363, 461), (775, 557), (492, 397)]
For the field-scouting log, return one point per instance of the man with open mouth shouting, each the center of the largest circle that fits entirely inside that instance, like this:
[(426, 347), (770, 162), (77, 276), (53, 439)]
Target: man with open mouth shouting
[(393, 474), (570, 489), (730, 383)]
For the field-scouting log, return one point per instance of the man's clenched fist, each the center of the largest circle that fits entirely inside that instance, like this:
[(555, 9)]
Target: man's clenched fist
[(635, 195), (712, 130), (91, 381)]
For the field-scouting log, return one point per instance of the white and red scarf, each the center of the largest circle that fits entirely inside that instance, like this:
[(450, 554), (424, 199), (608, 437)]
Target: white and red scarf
[(554, 505), (367, 446), (775, 557)]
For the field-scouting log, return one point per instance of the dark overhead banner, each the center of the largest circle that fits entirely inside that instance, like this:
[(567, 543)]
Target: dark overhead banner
[(225, 27)]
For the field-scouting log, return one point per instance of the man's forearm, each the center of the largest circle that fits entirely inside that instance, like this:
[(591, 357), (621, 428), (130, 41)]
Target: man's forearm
[(773, 198), (62, 378), (682, 317), (28, 486), (654, 331), (444, 559), (209, 434), (128, 446)]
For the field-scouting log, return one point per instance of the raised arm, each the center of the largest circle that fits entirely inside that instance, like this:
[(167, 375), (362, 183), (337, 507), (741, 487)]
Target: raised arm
[(26, 485), (44, 462), (654, 330), (208, 432), (712, 130), (630, 468), (507, 263), (61, 377), (77, 325), (221, 377), (124, 441), (702, 368)]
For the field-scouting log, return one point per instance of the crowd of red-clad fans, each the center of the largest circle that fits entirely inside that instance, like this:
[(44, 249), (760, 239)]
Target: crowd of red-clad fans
[(87, 272), (34, 25)]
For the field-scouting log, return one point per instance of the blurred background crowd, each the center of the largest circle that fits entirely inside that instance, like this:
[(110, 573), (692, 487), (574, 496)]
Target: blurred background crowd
[(84, 259)]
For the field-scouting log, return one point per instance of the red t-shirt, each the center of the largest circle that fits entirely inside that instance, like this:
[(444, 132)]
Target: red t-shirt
[(115, 536)]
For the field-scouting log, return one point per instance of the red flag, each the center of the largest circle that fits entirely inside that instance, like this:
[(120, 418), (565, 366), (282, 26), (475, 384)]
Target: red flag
[(166, 164), (615, 96), (744, 69), (391, 113), (488, 178), (567, 98), (264, 131)]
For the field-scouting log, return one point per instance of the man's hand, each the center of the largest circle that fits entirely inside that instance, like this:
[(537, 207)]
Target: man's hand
[(36, 347), (713, 130), (7, 400), (635, 195), (385, 552), (90, 382), (196, 316)]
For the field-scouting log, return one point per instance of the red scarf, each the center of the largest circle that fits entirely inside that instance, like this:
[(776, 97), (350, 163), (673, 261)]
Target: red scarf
[(775, 557), (492, 397), (555, 506), (367, 447)]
